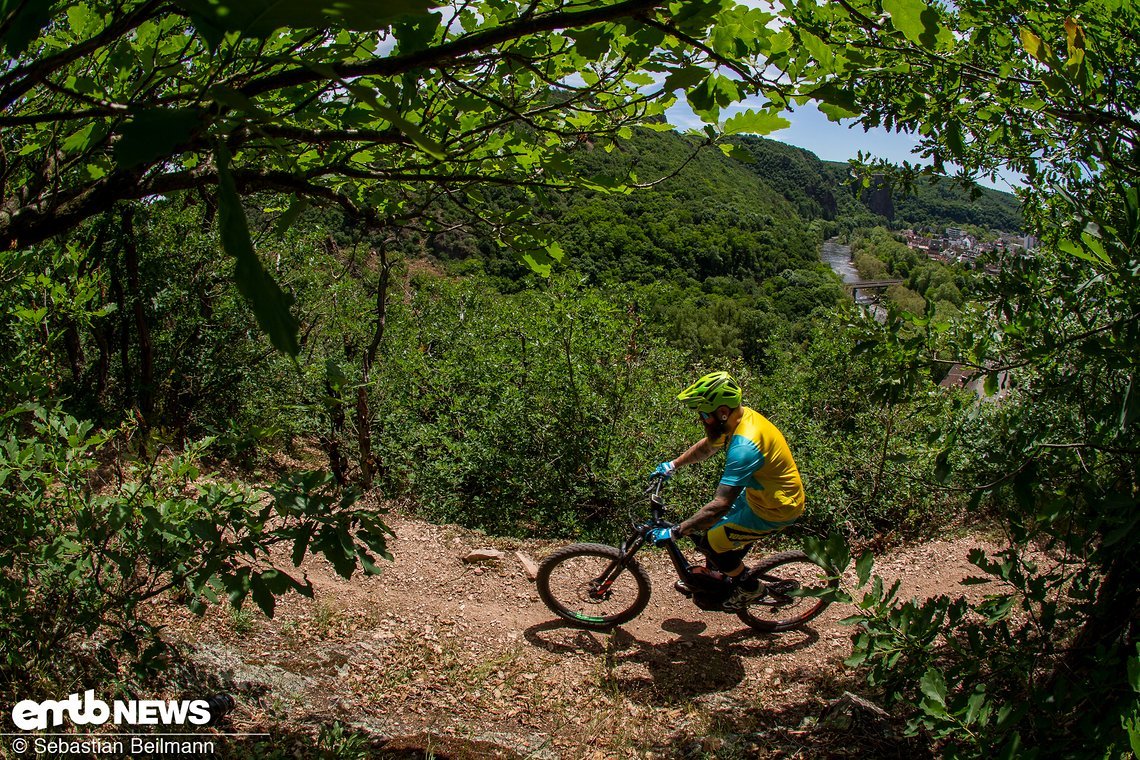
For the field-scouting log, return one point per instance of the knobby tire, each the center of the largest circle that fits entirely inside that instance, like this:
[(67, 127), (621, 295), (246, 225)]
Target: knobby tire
[(564, 585), (782, 613)]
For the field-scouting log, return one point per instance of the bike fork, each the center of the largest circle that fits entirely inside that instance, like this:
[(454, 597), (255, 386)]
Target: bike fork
[(602, 583)]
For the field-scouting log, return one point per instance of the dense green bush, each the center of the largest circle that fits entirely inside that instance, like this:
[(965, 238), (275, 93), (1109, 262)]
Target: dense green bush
[(536, 413), (862, 448), (98, 519)]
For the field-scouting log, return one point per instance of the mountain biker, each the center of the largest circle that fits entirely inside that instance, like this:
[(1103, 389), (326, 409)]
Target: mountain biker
[(760, 491)]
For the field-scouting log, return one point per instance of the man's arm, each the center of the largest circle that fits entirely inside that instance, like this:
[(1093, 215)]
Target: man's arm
[(711, 512), (698, 452)]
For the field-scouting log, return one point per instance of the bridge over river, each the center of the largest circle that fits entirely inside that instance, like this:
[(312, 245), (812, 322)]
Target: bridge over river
[(838, 257), (865, 285)]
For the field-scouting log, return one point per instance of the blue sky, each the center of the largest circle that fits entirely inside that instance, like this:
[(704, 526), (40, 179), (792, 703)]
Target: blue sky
[(833, 141)]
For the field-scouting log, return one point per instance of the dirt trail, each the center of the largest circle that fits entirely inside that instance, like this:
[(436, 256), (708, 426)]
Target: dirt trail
[(463, 660)]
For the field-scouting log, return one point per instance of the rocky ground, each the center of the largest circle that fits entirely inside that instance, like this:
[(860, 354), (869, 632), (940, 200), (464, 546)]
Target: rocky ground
[(442, 658)]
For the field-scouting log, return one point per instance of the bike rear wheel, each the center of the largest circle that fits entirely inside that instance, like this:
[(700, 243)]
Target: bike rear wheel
[(586, 585), (787, 576)]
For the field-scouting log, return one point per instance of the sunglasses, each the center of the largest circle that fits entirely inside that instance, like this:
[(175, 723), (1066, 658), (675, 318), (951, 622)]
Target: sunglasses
[(705, 416)]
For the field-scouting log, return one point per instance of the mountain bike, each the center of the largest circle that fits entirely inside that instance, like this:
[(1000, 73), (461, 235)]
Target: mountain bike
[(598, 587)]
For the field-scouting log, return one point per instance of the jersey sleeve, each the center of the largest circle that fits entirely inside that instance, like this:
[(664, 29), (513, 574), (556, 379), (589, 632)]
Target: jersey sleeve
[(743, 459)]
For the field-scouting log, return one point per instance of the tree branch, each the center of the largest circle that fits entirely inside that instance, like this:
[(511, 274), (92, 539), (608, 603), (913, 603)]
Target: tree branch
[(16, 82), (449, 51)]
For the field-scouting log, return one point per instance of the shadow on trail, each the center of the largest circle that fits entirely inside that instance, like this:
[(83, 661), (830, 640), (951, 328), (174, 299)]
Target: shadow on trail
[(673, 671)]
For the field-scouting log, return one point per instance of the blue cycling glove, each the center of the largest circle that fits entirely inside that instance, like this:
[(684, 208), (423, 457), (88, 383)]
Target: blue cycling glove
[(665, 470), (659, 536)]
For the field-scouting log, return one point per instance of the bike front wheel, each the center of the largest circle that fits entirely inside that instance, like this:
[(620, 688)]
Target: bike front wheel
[(588, 585), (791, 580)]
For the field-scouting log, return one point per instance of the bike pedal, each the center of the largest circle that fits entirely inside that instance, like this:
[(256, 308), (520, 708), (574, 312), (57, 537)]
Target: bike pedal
[(683, 588)]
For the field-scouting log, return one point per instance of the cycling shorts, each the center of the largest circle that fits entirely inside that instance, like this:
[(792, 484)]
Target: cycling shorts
[(740, 527)]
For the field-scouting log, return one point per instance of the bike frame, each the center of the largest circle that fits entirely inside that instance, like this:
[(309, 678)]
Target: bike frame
[(636, 541)]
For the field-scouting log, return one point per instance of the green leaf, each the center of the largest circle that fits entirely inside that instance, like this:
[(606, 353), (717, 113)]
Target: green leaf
[(301, 544), (863, 568), (210, 33), (341, 554), (261, 594), (974, 704), (234, 99), (942, 466), (1035, 46), (833, 556), (711, 95), (1073, 249), (755, 122), (1131, 724), (835, 102), (1130, 408), (400, 122), (838, 553), (915, 19), (416, 33), (422, 141), (953, 135), (592, 43), (261, 18), (933, 686), (820, 51), (683, 79), (270, 304), (1012, 749), (22, 21), (80, 141), (297, 206), (154, 134), (737, 153), (1075, 44), (236, 586), (991, 384)]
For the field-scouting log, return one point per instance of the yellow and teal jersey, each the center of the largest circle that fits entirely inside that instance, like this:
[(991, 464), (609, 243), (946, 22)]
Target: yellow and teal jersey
[(758, 458)]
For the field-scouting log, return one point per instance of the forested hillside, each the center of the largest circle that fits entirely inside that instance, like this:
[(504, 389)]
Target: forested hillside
[(748, 216)]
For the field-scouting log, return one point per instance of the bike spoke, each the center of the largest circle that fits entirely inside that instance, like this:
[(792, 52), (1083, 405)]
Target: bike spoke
[(591, 589), (789, 600)]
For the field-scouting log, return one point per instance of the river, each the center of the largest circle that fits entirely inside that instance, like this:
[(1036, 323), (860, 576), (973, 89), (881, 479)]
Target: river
[(838, 257)]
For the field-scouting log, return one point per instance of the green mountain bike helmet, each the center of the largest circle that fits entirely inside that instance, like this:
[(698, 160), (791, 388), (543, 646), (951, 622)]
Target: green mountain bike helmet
[(711, 391)]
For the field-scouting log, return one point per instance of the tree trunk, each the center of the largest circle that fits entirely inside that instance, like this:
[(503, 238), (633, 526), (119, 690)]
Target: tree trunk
[(338, 464), (126, 375), (883, 454), (74, 347), (363, 410), (142, 327)]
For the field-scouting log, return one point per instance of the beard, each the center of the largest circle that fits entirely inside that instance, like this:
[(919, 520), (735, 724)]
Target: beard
[(715, 428)]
